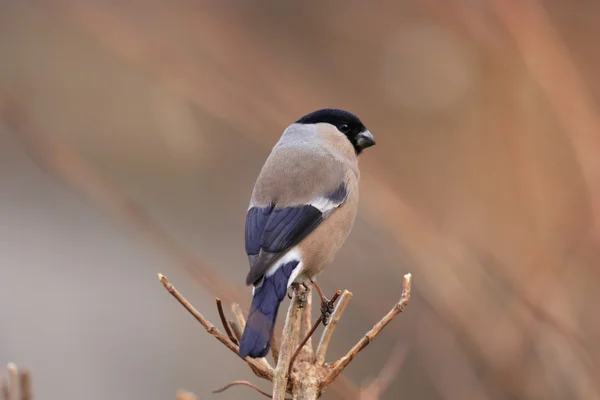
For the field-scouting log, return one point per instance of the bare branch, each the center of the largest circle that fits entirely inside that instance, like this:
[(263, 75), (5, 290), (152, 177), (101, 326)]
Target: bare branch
[(312, 330), (307, 321), (275, 348), (237, 332), (262, 370), (342, 363), (224, 321), (239, 315), (13, 379), (328, 331), (241, 320), (243, 383), (289, 338), (25, 384), (4, 391)]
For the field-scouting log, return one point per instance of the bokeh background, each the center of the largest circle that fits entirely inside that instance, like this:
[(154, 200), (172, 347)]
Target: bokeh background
[(132, 132)]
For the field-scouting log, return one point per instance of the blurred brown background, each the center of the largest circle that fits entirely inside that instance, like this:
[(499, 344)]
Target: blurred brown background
[(122, 118)]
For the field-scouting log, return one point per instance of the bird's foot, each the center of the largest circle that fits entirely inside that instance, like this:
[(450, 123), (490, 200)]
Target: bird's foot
[(326, 306), (301, 292), (326, 310)]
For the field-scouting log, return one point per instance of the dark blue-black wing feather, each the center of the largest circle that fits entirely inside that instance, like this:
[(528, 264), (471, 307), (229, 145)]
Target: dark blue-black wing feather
[(272, 230)]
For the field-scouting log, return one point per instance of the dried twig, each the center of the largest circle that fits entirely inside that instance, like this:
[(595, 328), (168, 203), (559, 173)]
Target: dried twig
[(243, 383), (312, 330), (25, 385), (239, 315), (289, 338), (13, 379), (224, 321), (241, 320), (328, 331), (18, 386), (307, 320), (237, 332), (275, 348), (262, 370), (4, 390), (307, 385), (341, 364)]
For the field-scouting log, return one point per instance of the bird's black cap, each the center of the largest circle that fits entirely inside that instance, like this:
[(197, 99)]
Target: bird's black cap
[(346, 122)]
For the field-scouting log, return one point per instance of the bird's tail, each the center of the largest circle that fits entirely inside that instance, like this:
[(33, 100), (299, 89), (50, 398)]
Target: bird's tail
[(256, 339)]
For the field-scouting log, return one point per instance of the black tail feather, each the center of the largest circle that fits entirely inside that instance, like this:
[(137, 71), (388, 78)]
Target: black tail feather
[(256, 339)]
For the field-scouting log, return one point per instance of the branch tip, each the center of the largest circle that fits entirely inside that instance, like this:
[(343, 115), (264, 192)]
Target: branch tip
[(224, 321), (242, 383), (343, 362)]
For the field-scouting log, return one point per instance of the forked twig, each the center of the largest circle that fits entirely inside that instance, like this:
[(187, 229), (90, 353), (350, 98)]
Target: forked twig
[(328, 331), (312, 330), (342, 363), (243, 383), (310, 385), (18, 386), (224, 321), (260, 369)]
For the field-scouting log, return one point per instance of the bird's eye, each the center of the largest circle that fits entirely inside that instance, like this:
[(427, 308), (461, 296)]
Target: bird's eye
[(344, 128)]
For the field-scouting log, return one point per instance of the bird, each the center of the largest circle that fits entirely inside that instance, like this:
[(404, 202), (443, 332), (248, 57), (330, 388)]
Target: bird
[(302, 209)]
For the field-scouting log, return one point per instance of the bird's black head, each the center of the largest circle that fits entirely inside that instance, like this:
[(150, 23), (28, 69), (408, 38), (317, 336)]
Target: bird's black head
[(345, 122)]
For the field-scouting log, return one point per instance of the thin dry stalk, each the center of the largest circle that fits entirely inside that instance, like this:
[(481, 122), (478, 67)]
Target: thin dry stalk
[(241, 320), (259, 368), (4, 392), (13, 379), (307, 384), (25, 385), (330, 328), (275, 348), (237, 332), (289, 339), (243, 383), (224, 321), (312, 330), (239, 315), (341, 364), (307, 319)]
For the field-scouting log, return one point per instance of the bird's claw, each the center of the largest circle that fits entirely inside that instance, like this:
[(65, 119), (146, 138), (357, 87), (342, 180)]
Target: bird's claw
[(326, 311), (300, 293)]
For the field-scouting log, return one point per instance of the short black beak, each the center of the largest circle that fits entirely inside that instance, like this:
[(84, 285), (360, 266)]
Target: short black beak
[(365, 139)]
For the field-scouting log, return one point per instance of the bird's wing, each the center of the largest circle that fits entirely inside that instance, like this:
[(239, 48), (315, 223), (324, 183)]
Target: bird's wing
[(274, 228)]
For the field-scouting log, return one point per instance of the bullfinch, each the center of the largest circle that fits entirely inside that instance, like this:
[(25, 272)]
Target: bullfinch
[(302, 208)]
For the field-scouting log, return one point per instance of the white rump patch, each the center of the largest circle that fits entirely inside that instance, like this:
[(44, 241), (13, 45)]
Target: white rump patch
[(292, 255)]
